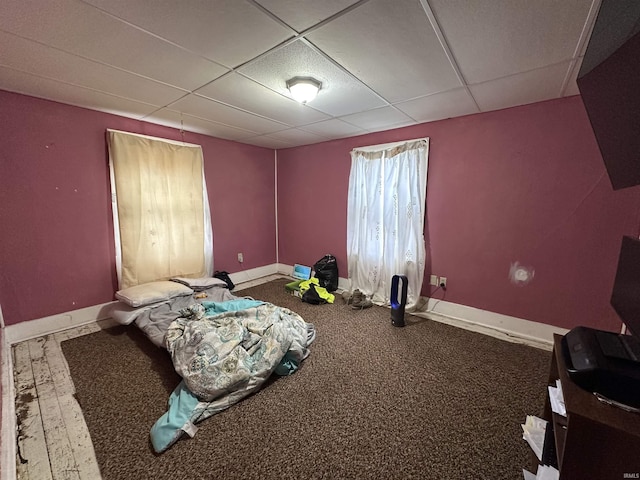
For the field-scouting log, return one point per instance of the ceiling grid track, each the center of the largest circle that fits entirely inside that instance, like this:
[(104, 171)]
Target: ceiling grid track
[(220, 66), (581, 46), (447, 50)]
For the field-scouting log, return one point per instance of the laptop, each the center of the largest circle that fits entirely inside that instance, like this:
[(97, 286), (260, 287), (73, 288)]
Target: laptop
[(301, 272)]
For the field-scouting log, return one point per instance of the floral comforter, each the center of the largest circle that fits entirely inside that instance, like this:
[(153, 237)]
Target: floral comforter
[(224, 352), (218, 349)]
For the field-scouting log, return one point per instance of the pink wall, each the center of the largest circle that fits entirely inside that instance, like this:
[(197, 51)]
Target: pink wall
[(525, 185), (56, 245)]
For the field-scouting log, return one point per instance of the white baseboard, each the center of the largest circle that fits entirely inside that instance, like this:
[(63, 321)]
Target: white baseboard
[(254, 276), (497, 325), (483, 321), (501, 326), (9, 423), (461, 315), (285, 269), (56, 323), (258, 281)]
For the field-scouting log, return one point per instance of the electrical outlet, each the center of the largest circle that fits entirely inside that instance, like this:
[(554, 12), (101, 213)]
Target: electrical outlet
[(434, 280), (443, 282), (240, 258)]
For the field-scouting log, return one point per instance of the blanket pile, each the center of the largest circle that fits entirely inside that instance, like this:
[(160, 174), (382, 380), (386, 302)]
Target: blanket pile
[(224, 352)]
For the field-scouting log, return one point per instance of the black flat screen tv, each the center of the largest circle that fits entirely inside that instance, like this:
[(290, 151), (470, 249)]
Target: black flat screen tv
[(625, 297), (609, 83)]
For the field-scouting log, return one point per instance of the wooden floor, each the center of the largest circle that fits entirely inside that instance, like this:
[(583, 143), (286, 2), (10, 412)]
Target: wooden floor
[(53, 439)]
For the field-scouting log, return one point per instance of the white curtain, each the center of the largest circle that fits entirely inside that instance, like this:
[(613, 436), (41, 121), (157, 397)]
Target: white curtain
[(385, 218), (161, 213)]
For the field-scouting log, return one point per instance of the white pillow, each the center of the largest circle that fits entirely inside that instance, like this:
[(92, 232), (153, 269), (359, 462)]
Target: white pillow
[(200, 283), (124, 314), (152, 292)]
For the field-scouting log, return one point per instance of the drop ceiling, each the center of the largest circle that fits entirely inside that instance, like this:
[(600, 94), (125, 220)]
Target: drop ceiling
[(219, 67)]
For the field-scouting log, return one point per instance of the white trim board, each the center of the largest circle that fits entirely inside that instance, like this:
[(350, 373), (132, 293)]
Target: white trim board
[(22, 331), (287, 270), (387, 146), (159, 139), (253, 276), (497, 325), (9, 432), (9, 422)]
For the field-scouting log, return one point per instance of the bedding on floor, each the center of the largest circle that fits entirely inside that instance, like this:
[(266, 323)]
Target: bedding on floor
[(155, 322), (224, 347)]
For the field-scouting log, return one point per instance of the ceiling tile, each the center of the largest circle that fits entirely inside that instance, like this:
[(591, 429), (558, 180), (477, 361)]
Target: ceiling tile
[(298, 137), (572, 89), (397, 125), (189, 123), (391, 47), (453, 103), (302, 14), (333, 128), (234, 89), (492, 39), (227, 31), (381, 62), (57, 65), (386, 117), (81, 29), (341, 94), (27, 84), (219, 113), (521, 89), (268, 142)]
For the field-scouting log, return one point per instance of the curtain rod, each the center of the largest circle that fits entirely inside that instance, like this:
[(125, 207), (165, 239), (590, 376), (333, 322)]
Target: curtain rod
[(174, 142), (386, 146)]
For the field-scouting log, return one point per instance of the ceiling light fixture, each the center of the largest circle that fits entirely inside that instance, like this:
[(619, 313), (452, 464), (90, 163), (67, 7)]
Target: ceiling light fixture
[(303, 89)]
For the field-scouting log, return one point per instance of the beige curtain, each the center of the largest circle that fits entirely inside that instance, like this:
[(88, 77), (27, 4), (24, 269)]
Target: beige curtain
[(159, 208)]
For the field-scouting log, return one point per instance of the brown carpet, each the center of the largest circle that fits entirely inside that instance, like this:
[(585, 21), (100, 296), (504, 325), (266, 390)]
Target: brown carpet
[(428, 401)]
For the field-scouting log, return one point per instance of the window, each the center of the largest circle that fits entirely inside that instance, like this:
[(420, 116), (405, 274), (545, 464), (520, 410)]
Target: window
[(385, 217), (161, 213)]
